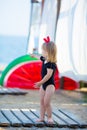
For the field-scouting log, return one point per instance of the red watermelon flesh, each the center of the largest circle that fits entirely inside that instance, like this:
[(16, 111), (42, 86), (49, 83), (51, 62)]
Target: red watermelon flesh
[(70, 84)]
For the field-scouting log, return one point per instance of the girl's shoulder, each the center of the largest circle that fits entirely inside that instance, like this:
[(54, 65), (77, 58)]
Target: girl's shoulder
[(51, 65)]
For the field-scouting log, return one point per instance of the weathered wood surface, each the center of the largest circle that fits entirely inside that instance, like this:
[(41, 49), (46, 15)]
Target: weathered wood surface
[(12, 91), (28, 118)]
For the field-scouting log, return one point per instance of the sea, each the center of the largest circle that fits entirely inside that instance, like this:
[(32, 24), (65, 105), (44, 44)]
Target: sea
[(12, 47)]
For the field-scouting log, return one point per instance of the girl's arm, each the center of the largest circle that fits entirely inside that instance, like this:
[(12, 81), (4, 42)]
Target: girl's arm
[(35, 56), (46, 78)]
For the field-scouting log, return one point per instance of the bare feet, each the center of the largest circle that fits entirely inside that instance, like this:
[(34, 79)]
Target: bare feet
[(50, 121), (40, 120)]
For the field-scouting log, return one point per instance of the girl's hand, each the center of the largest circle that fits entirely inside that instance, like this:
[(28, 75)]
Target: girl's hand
[(32, 55), (35, 56), (37, 85)]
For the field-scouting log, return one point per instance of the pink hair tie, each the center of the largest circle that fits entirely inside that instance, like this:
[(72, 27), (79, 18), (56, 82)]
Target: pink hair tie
[(47, 40)]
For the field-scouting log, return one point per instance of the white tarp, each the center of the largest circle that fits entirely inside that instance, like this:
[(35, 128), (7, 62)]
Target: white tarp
[(48, 21), (71, 39)]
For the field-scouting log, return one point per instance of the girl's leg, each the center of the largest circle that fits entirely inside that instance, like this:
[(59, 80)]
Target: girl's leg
[(47, 101), (42, 109)]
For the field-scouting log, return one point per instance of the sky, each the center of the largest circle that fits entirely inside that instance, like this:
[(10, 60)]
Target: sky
[(14, 17)]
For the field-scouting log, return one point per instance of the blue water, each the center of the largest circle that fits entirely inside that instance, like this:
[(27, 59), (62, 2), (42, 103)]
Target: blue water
[(12, 47)]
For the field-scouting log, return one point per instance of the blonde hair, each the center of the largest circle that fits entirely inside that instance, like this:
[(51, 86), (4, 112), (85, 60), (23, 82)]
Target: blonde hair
[(51, 50)]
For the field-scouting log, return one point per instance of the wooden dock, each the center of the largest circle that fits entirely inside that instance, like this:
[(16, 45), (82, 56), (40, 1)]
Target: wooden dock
[(12, 91), (28, 117)]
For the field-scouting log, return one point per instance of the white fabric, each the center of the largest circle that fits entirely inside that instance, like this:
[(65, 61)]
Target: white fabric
[(71, 36), (35, 25), (71, 40), (48, 21)]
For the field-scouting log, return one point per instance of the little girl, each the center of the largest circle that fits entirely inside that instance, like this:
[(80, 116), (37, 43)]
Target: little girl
[(47, 86)]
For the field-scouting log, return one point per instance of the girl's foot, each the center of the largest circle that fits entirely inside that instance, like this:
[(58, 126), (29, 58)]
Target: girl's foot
[(50, 121), (40, 120)]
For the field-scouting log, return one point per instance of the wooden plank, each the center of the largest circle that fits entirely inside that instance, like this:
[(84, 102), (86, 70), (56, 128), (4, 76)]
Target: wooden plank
[(36, 128), (3, 120), (12, 91), (25, 121), (67, 120), (32, 117), (7, 91), (36, 113), (74, 118), (16, 91), (60, 123), (14, 121), (19, 91), (1, 91), (4, 91), (29, 115), (62, 118), (48, 128), (56, 121)]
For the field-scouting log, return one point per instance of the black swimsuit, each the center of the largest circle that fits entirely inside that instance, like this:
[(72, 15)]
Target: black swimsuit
[(44, 72)]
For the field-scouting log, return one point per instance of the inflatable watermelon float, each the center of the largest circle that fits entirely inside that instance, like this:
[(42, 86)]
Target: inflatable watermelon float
[(70, 84), (23, 72)]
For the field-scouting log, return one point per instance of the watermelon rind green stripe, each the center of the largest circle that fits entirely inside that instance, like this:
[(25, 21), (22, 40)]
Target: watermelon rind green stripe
[(13, 64)]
